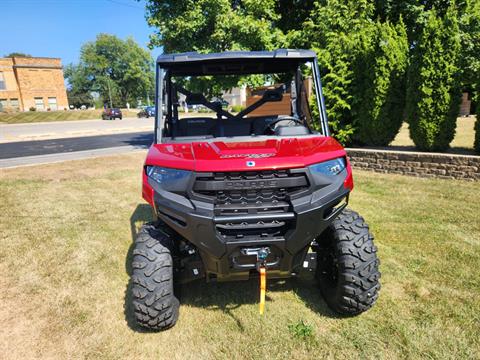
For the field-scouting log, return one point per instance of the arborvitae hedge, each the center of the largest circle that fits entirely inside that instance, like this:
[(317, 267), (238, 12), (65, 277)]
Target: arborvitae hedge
[(336, 61), (336, 29), (363, 65), (379, 98), (433, 93)]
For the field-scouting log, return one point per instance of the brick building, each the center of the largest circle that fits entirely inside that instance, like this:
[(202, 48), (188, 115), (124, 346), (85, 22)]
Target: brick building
[(34, 82)]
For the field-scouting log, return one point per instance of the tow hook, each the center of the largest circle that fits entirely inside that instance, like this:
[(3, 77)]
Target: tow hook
[(261, 265), (262, 269)]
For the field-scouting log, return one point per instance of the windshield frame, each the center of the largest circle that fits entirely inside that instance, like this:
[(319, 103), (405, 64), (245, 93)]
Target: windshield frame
[(163, 101)]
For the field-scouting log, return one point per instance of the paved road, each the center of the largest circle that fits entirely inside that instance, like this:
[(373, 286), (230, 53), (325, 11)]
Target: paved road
[(76, 128), (69, 129), (59, 146)]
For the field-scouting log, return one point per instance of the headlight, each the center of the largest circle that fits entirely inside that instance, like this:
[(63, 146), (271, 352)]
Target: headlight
[(329, 168), (173, 180)]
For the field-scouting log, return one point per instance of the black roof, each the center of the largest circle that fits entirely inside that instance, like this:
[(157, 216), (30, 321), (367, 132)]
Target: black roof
[(234, 62)]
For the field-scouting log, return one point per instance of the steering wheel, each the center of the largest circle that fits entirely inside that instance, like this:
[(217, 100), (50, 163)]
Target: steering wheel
[(289, 121)]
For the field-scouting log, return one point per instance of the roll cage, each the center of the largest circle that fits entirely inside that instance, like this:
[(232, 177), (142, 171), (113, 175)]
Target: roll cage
[(229, 63)]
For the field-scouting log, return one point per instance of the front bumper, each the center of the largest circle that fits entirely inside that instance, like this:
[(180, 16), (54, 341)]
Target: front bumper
[(197, 221)]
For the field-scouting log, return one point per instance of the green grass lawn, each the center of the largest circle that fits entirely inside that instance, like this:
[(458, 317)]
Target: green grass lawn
[(47, 116), (464, 136), (66, 236)]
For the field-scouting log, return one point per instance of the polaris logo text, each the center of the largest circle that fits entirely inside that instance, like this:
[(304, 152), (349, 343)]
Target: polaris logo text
[(262, 184), (251, 156)]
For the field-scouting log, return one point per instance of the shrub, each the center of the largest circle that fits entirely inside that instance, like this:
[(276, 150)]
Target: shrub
[(203, 109), (32, 108), (8, 110), (379, 97), (433, 93), (237, 108)]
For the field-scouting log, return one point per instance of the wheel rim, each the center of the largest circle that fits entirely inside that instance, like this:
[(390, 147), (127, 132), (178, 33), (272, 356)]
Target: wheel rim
[(329, 270)]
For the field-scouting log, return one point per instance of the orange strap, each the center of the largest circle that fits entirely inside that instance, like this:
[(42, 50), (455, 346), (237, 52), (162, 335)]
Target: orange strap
[(263, 286)]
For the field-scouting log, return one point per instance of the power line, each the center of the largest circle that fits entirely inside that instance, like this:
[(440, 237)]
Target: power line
[(124, 4), (66, 2)]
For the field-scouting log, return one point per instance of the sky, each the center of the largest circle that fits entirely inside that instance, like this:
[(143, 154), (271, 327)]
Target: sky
[(58, 28)]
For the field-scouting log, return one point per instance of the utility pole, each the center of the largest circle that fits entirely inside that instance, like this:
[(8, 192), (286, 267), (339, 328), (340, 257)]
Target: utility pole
[(109, 91)]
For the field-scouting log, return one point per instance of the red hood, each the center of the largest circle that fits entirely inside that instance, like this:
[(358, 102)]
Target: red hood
[(286, 153)]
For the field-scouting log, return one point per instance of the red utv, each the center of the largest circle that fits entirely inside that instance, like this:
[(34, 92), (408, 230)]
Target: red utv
[(262, 191)]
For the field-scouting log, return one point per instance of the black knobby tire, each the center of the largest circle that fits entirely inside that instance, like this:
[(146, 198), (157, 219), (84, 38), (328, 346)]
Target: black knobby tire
[(347, 268), (153, 298)]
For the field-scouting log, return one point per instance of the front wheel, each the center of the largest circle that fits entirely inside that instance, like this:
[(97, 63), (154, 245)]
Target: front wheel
[(347, 268), (155, 305)]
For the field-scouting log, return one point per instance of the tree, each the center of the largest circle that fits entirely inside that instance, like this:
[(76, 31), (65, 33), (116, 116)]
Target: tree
[(78, 99), (415, 13), (213, 25), (17, 54), (379, 102), (433, 93), (337, 30), (469, 24), (361, 47), (79, 87), (119, 70), (293, 15), (337, 65)]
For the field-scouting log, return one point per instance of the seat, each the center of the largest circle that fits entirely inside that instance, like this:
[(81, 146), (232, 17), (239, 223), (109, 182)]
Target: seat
[(240, 127), (259, 124), (196, 126), (291, 130)]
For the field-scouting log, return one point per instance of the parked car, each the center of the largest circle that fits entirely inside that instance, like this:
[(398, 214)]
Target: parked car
[(149, 111), (112, 114), (223, 102)]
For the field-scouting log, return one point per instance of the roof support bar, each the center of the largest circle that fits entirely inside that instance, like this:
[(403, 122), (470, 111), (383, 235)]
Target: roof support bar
[(201, 100), (159, 118), (320, 99)]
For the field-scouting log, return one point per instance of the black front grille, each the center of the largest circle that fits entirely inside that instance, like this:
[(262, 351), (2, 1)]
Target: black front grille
[(250, 187), (240, 194)]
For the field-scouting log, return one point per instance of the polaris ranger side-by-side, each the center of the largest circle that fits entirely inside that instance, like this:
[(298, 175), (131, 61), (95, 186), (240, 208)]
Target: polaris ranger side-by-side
[(242, 194)]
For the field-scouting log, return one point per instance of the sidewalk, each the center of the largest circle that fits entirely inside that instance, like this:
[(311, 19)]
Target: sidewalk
[(66, 129)]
